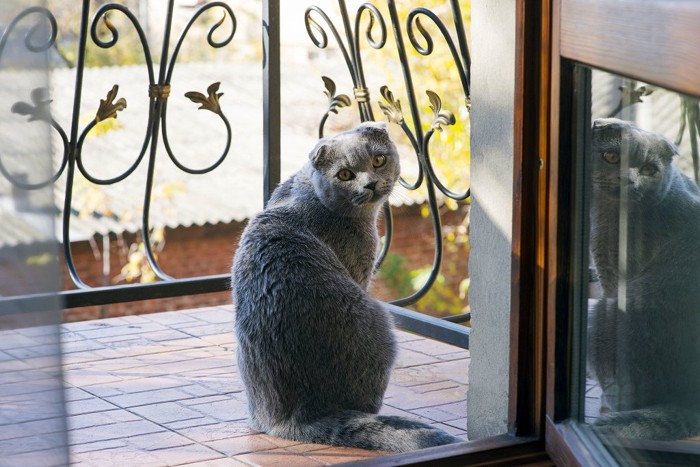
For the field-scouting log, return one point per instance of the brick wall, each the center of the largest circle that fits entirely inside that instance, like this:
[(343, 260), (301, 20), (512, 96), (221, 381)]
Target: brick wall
[(188, 252), (205, 250)]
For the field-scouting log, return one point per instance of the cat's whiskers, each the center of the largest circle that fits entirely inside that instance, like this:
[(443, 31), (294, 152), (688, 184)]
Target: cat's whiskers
[(399, 196), (361, 198)]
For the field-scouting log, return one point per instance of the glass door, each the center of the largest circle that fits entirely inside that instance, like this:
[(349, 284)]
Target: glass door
[(636, 250), (623, 226)]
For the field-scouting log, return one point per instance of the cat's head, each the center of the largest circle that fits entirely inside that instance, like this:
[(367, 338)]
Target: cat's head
[(356, 169), (629, 157)]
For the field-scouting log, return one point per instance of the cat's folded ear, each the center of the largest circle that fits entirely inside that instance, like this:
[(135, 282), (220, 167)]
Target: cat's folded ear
[(670, 148), (600, 123), (377, 128), (610, 128), (319, 154), (374, 125)]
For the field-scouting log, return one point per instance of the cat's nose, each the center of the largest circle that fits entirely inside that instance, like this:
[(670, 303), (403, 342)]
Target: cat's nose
[(371, 186)]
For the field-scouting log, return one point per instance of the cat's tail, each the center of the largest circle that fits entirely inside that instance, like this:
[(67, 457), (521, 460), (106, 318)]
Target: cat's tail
[(660, 422), (366, 431)]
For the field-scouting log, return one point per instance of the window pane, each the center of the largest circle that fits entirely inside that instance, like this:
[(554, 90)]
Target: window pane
[(639, 257)]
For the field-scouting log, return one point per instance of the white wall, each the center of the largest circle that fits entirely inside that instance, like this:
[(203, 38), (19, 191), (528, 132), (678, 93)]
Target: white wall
[(493, 54)]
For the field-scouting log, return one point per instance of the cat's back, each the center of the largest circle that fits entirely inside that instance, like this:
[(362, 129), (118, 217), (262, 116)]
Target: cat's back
[(283, 269), (276, 249), (265, 237), (667, 228), (684, 197)]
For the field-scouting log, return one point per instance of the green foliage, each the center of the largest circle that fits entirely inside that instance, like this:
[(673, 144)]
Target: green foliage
[(395, 275), (443, 299)]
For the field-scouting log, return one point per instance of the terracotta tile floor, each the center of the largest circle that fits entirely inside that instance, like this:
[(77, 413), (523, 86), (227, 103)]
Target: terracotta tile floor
[(163, 389)]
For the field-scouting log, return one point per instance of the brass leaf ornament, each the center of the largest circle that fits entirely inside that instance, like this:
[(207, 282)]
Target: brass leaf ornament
[(107, 108), (441, 117), (633, 95), (209, 102), (334, 102), (390, 106)]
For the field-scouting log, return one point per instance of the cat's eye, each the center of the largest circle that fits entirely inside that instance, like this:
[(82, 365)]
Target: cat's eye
[(378, 161), (648, 169), (345, 175), (611, 157)]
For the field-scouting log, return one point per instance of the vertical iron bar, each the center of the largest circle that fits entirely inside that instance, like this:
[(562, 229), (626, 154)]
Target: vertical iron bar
[(358, 78), (157, 115), (462, 42), (408, 80), (364, 106), (351, 43), (271, 97), (72, 146), (166, 44)]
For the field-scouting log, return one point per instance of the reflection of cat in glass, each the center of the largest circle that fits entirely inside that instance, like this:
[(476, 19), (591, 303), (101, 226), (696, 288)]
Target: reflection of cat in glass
[(644, 335)]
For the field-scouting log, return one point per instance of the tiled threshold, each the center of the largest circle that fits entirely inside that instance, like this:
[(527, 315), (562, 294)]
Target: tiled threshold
[(163, 389)]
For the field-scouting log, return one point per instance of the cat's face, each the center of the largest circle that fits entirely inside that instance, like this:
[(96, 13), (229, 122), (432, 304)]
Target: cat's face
[(627, 157), (355, 169)]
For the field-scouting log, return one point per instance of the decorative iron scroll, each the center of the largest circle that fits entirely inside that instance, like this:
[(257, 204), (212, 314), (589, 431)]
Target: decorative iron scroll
[(112, 105), (319, 26)]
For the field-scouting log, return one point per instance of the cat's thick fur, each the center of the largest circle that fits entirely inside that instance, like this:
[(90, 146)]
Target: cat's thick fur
[(644, 334), (314, 349)]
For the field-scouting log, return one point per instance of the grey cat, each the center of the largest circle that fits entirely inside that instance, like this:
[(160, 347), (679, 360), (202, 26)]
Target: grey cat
[(314, 349), (644, 337)]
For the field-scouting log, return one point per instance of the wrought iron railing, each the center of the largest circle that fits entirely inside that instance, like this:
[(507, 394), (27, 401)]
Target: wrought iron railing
[(42, 30)]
